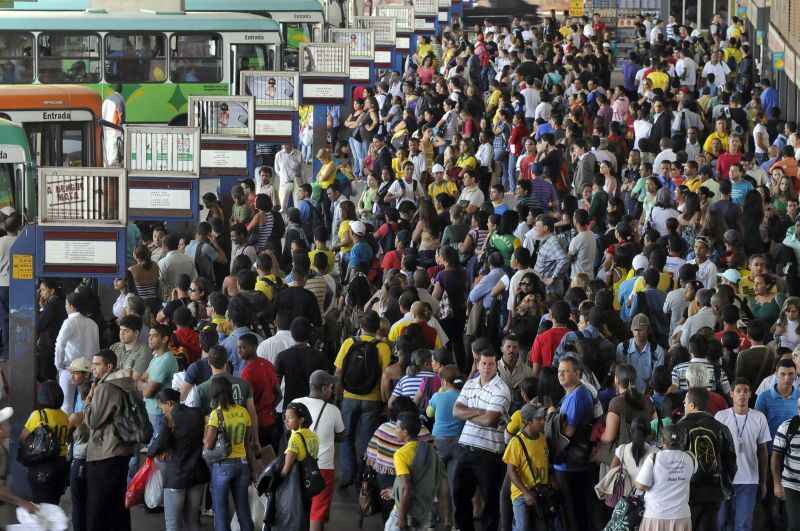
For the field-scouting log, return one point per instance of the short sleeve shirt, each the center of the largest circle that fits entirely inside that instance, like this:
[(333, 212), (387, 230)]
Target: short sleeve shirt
[(404, 457), (236, 420), (295, 443), (57, 421), (160, 370), (537, 452), (384, 354), (263, 379)]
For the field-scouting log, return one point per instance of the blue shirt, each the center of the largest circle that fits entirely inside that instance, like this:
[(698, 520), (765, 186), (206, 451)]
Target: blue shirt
[(739, 190), (625, 290), (361, 254), (483, 290), (769, 100), (543, 130), (576, 410), (230, 343), (641, 360), (445, 425), (629, 70), (776, 408)]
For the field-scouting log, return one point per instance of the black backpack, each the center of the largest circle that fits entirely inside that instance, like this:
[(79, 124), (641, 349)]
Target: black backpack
[(203, 264), (361, 370), (41, 445), (131, 423)]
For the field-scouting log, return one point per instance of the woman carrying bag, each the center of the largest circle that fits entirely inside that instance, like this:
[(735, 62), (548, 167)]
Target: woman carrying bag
[(182, 468), (229, 427), (303, 445)]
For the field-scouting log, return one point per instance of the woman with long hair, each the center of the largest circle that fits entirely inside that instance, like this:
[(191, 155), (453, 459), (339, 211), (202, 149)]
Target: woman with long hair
[(427, 233), (302, 444), (690, 218), (787, 328), (232, 475), (450, 287), (630, 456), (629, 404), (145, 275), (765, 303), (262, 224), (782, 192), (752, 219)]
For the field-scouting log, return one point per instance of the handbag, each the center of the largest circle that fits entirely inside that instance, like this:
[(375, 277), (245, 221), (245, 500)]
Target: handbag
[(222, 447), (41, 445), (313, 482), (618, 490)]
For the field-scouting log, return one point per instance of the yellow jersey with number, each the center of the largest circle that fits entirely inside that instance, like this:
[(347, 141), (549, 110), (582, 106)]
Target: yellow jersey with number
[(236, 420)]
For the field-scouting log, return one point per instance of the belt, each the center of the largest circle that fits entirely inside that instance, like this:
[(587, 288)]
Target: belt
[(475, 449)]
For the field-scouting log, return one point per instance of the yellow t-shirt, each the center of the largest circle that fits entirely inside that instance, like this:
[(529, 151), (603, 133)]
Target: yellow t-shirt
[(399, 326), (467, 162), (664, 284), (659, 79), (237, 420), (397, 167), (328, 169), (264, 287), (494, 99), (331, 258), (344, 226), (385, 355), (403, 458), (445, 187), (423, 50), (295, 444), (223, 325), (514, 423), (539, 459), (57, 421), (723, 138), (729, 52)]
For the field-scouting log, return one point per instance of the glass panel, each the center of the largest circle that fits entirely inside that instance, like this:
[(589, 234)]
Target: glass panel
[(16, 57), (6, 185), (69, 58), (35, 143), (196, 58), (72, 147), (135, 58)]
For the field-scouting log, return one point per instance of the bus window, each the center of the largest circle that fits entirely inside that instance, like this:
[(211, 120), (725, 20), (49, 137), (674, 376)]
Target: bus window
[(69, 58), (135, 58), (72, 146), (16, 57), (250, 57), (296, 34), (7, 172), (196, 58)]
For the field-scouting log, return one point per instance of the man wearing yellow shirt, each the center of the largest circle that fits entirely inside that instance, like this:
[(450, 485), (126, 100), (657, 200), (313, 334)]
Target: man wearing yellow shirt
[(527, 461), (659, 79), (440, 185), (720, 132), (359, 374)]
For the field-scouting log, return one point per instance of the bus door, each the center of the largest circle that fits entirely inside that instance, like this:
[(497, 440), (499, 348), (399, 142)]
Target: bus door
[(249, 57), (12, 176), (63, 138)]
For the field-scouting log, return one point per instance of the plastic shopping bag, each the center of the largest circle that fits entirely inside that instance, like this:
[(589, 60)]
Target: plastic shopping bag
[(257, 509), (154, 491), (135, 493), (48, 518)]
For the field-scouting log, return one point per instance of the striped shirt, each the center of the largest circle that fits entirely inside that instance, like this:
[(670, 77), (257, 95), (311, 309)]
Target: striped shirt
[(263, 231), (712, 373), (494, 396), (790, 477), (409, 385)]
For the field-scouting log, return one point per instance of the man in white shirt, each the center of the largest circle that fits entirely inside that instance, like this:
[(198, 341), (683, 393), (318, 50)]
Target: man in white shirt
[(405, 189), (706, 269), (582, 248), (79, 337), (289, 169), (174, 264), (761, 137), (704, 318), (327, 424), (686, 69), (717, 67), (750, 432), (666, 153), (471, 194), (282, 340), (532, 95)]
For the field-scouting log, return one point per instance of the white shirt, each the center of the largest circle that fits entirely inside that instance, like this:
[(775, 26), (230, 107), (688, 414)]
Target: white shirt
[(720, 71), (474, 196), (485, 155), (641, 129), (686, 69), (748, 431), (403, 191), (706, 273), (667, 154), (289, 166), (584, 249), (532, 99), (272, 346), (6, 242), (512, 284), (329, 425), (79, 337), (669, 481), (494, 396), (758, 130), (543, 111), (704, 318)]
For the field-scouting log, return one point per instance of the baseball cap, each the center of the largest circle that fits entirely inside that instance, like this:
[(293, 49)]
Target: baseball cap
[(731, 275), (6, 413), (640, 262), (321, 377), (358, 227), (437, 168), (79, 365), (639, 322), (530, 412)]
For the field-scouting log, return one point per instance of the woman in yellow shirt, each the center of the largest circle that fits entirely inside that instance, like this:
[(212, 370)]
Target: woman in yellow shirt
[(232, 475), (48, 479), (302, 443), (345, 237)]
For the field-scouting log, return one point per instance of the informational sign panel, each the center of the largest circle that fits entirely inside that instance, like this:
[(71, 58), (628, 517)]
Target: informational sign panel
[(324, 60), (161, 198), (80, 252), (360, 41), (271, 90), (82, 196), (223, 158), (22, 266), (385, 29), (222, 117), (404, 15), (162, 151)]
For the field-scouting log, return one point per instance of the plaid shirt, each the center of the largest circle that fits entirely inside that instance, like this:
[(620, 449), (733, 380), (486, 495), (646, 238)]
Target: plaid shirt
[(551, 260)]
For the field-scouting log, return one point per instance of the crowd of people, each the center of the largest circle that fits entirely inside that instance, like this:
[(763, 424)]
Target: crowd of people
[(513, 293)]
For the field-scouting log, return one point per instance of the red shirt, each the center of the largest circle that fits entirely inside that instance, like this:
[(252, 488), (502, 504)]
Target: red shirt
[(189, 340), (261, 376), (391, 260), (526, 167), (545, 344), (724, 163), (744, 343)]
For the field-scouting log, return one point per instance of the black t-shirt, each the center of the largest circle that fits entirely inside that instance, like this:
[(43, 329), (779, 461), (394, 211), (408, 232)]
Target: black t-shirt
[(299, 302), (454, 282), (295, 366)]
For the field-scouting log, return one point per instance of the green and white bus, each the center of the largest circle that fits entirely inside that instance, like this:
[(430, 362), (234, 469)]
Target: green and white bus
[(16, 170), (156, 59)]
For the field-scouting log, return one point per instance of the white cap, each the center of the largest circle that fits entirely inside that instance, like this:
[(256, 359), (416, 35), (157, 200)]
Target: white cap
[(358, 227), (6, 413), (640, 261), (437, 168)]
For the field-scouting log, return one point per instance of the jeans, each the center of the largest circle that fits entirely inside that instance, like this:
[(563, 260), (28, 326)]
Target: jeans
[(447, 448), (737, 513), (484, 470), (358, 155), (360, 420), (510, 177), (77, 490), (521, 515), (105, 503), (230, 476), (306, 151), (182, 508), (704, 516)]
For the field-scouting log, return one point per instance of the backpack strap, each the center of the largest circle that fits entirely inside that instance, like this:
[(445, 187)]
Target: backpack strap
[(220, 418), (321, 411), (305, 446), (525, 451)]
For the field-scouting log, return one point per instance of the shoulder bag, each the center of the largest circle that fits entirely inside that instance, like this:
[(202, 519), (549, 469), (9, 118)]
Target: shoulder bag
[(222, 448), (313, 482)]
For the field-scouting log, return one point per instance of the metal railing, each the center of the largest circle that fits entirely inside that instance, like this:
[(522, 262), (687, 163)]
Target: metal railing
[(162, 151), (404, 15), (385, 28), (223, 117), (82, 196), (271, 90), (324, 59), (361, 41)]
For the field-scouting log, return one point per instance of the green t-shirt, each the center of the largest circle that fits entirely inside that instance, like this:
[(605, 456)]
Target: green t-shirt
[(160, 370), (242, 392)]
